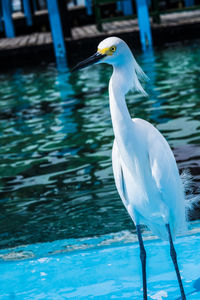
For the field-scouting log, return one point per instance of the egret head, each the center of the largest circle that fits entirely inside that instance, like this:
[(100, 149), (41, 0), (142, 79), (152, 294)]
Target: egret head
[(116, 52), (112, 51)]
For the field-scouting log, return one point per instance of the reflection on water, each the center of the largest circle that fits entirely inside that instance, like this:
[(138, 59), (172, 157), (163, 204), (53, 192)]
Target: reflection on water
[(56, 140)]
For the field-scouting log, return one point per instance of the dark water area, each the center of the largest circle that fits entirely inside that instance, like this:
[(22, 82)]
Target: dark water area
[(56, 140)]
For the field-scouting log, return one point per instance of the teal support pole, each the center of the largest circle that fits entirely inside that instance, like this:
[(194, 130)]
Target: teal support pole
[(88, 5), (119, 6), (7, 17), (27, 12), (144, 24), (189, 3), (127, 7), (35, 7), (1, 20), (1, 24), (57, 33)]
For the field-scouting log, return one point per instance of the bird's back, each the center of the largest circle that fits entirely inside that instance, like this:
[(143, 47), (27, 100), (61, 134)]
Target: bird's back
[(150, 186)]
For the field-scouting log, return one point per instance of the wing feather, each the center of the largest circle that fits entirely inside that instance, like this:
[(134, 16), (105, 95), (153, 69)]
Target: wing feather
[(151, 188), (118, 173), (166, 175)]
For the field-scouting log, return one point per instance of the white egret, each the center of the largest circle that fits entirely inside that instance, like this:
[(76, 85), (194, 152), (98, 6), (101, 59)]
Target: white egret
[(145, 170)]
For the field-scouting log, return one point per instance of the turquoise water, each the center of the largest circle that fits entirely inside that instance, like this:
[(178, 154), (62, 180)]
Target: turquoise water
[(100, 268), (56, 139), (57, 190)]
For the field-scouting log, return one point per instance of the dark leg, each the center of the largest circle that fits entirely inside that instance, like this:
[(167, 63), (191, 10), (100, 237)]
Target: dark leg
[(143, 260), (174, 259)]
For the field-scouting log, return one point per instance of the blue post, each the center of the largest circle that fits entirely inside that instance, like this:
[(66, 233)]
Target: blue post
[(7, 16), (88, 5), (149, 3), (1, 24), (127, 7), (119, 6), (1, 20), (189, 3), (57, 33), (144, 24), (27, 12), (34, 5)]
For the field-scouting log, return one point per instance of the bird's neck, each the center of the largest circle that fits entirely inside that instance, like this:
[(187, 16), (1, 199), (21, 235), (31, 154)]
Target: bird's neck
[(120, 83)]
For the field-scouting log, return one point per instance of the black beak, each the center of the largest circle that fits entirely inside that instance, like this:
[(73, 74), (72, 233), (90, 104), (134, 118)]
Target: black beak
[(89, 61)]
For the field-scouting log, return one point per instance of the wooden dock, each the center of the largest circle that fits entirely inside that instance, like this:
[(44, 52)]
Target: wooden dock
[(39, 46)]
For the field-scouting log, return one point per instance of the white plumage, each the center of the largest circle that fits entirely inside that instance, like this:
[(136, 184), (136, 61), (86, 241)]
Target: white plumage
[(150, 186), (145, 170)]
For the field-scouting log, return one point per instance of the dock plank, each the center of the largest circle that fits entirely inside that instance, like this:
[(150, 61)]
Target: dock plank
[(24, 41), (48, 38), (41, 38), (5, 43), (80, 35), (32, 39)]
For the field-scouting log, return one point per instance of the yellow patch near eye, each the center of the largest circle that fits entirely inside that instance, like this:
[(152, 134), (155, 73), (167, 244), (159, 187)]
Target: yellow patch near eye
[(103, 51), (107, 51)]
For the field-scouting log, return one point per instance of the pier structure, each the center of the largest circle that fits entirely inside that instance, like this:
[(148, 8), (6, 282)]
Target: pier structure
[(57, 12), (138, 22), (6, 16)]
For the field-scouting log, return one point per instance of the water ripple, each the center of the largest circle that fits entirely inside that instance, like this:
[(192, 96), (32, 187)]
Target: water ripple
[(56, 140)]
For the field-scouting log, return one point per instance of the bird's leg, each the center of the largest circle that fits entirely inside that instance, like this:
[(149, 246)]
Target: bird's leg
[(174, 259), (143, 261)]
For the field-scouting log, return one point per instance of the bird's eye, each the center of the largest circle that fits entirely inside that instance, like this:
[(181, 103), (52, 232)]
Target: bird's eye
[(113, 48)]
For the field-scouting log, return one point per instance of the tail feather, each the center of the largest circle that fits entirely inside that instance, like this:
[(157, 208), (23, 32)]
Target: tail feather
[(191, 200)]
